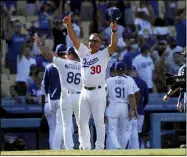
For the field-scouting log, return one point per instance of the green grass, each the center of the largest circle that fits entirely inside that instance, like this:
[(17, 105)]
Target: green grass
[(99, 152)]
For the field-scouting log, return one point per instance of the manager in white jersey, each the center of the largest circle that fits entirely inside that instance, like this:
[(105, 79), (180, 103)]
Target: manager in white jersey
[(120, 93), (69, 71), (93, 95)]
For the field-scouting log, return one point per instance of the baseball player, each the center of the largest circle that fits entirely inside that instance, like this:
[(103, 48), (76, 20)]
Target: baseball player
[(120, 93), (144, 98), (52, 89), (70, 80), (93, 95)]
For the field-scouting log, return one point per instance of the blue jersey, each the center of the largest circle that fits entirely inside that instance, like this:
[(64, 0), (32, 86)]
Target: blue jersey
[(51, 82), (15, 46), (144, 94)]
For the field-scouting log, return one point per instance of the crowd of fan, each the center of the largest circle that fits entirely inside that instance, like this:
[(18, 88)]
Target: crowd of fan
[(138, 32)]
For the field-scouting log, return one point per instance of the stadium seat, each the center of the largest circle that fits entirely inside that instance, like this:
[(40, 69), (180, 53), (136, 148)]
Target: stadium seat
[(32, 18), (22, 19)]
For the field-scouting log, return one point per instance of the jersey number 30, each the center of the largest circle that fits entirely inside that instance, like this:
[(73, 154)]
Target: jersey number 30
[(120, 92), (74, 78), (96, 69)]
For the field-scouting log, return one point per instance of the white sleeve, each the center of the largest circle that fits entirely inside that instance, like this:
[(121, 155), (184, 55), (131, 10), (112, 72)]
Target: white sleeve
[(43, 88), (135, 87), (130, 88), (58, 61), (106, 55), (83, 50), (152, 64)]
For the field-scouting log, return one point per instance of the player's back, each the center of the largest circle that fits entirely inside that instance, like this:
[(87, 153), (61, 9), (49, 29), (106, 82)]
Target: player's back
[(117, 89), (70, 74)]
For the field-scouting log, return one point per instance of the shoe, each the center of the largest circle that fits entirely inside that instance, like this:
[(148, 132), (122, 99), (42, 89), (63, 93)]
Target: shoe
[(183, 146)]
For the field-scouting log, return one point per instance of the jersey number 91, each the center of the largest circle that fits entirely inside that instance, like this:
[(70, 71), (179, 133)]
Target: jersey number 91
[(120, 92)]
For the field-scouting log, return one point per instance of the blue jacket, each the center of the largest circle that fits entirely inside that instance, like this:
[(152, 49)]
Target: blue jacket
[(52, 82), (144, 94)]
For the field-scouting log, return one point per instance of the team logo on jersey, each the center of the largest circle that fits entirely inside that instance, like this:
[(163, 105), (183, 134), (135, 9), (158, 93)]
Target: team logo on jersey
[(87, 63)]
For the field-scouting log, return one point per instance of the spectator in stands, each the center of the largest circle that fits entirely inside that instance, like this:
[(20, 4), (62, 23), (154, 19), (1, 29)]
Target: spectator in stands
[(155, 6), (128, 14), (14, 94), (59, 33), (161, 68), (147, 11), (30, 80), (32, 7), (160, 30), (145, 66), (10, 6), (180, 25), (131, 53), (24, 61), (173, 47), (33, 95), (177, 63), (170, 12), (15, 40), (143, 24)]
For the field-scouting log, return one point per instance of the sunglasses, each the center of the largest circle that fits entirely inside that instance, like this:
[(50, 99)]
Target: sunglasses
[(94, 41)]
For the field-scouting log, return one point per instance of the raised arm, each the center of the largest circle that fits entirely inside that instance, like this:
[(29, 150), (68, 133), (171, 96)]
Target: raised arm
[(114, 38), (71, 33), (43, 49)]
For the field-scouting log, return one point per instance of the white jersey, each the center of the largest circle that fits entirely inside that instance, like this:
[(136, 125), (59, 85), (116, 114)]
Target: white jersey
[(93, 66), (69, 72), (119, 88)]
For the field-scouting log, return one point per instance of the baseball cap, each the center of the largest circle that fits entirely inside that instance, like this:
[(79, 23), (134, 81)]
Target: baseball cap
[(70, 50), (115, 14), (60, 49), (119, 66)]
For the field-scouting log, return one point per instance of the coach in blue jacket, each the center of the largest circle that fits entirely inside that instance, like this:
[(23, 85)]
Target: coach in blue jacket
[(52, 90), (144, 97)]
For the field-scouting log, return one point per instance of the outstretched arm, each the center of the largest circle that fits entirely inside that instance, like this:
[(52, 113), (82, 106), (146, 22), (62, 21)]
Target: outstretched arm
[(43, 49), (71, 33), (114, 38)]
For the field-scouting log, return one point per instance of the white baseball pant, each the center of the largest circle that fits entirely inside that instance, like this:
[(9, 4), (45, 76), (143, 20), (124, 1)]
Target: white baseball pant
[(117, 115), (134, 140), (73, 98), (92, 101), (140, 123), (58, 140), (51, 123), (66, 112)]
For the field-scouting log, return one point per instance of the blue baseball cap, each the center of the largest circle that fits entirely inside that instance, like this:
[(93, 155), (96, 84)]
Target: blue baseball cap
[(60, 49), (119, 66), (70, 50), (116, 14)]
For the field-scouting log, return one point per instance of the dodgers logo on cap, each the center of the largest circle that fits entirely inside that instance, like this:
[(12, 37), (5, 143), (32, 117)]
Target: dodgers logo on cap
[(60, 49)]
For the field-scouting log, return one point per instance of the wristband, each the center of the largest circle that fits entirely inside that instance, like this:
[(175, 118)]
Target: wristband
[(114, 30)]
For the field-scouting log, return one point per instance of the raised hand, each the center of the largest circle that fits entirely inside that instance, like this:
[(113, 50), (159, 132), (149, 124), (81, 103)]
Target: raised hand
[(114, 26), (67, 19), (37, 40)]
